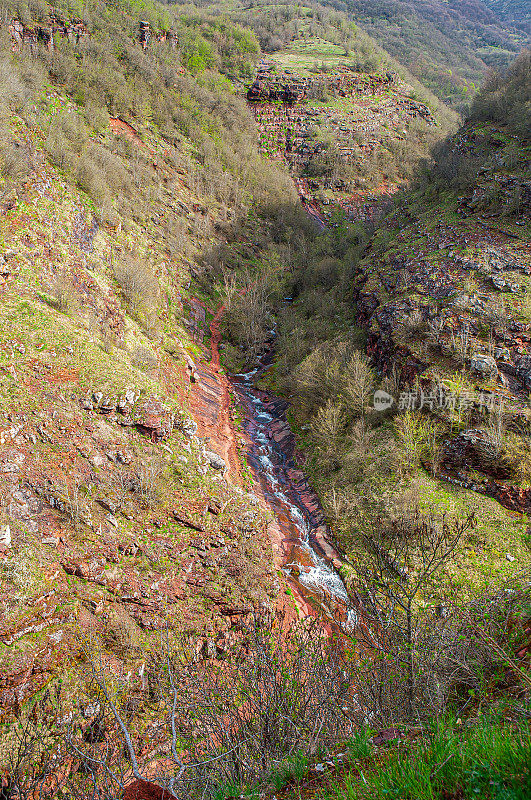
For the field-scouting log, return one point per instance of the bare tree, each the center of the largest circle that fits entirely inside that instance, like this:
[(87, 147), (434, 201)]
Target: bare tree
[(248, 317), (230, 286), (30, 753), (404, 641)]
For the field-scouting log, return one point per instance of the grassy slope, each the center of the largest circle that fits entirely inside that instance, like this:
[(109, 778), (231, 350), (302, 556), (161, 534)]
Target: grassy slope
[(487, 757), (96, 297)]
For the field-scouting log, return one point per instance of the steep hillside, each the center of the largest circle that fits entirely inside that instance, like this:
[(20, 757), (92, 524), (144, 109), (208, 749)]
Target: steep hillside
[(515, 12), (347, 120), (435, 48), (348, 140), (119, 172), (447, 46), (440, 293), (187, 228)]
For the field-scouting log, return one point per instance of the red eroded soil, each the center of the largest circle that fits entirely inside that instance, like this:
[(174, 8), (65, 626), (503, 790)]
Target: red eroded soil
[(210, 403), (118, 126)]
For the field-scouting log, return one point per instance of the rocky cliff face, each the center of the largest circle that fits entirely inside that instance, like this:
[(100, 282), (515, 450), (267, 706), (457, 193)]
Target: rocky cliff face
[(450, 297), (335, 131)]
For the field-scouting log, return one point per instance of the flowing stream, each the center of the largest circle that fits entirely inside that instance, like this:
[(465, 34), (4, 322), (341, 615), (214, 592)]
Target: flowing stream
[(308, 555)]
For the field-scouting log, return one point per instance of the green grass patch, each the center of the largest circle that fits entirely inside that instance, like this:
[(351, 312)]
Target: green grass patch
[(488, 759), (310, 54), (481, 561)]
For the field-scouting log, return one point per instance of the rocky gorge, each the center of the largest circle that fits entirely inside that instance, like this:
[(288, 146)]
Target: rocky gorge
[(211, 269)]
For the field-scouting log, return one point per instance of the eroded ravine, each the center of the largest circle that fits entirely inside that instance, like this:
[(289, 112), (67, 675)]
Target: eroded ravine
[(298, 532), (305, 554)]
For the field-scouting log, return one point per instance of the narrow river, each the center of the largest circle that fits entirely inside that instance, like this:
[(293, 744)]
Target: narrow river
[(308, 555)]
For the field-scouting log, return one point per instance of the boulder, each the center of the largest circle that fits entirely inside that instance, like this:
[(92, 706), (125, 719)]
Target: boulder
[(483, 364), (504, 285), (5, 536), (145, 790), (188, 426), (502, 354), (97, 460), (523, 370), (108, 404), (153, 417), (215, 460), (482, 449), (127, 400)]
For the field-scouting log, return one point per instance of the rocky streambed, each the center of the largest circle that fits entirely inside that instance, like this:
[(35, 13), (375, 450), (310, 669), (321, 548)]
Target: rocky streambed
[(299, 531)]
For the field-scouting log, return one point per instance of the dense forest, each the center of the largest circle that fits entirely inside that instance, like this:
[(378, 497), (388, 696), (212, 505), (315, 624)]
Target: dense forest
[(448, 46)]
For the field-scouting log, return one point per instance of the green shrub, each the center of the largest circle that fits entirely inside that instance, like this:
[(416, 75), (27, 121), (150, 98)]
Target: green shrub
[(417, 438)]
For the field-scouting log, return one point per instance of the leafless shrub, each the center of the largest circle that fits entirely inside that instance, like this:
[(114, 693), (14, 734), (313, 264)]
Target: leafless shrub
[(143, 482), (358, 383), (481, 640), (108, 339), (123, 482), (249, 319), (460, 343), (144, 358), (137, 280), (295, 695), (230, 287), (121, 634), (434, 330), (418, 440), (15, 161), (404, 641), (91, 179), (327, 432), (414, 325), (335, 370), (282, 689), (361, 446), (497, 314), (31, 751), (62, 292), (71, 499)]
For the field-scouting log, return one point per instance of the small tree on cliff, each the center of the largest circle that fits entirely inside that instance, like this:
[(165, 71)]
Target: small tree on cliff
[(405, 637)]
